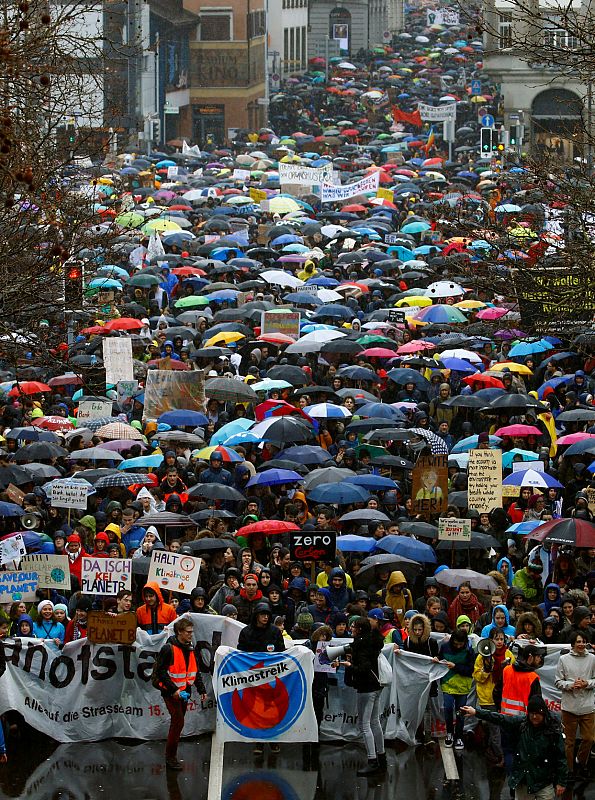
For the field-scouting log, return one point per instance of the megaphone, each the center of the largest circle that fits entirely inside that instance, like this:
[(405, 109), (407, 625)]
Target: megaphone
[(331, 654), (31, 521), (486, 647)]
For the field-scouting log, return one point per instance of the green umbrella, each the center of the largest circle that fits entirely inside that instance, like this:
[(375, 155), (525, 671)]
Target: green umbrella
[(130, 219), (144, 279), (193, 301)]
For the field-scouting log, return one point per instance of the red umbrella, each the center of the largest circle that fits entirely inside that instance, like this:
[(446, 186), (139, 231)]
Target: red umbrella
[(570, 530), (277, 408), (66, 380), (270, 527), (355, 208), (93, 330), (276, 338), (123, 324), (350, 132), (378, 352), (518, 430), (29, 387), (486, 381), (54, 424), (185, 272)]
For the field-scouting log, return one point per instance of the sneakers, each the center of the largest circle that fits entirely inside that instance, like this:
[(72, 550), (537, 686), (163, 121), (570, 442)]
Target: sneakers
[(173, 763), (448, 742), (459, 744)]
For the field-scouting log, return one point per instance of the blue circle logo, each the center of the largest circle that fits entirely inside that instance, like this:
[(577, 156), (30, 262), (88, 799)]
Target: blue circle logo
[(261, 695)]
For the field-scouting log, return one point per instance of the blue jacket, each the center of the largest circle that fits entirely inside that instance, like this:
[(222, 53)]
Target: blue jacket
[(510, 575), (547, 605), (133, 538), (48, 630), (222, 476), (508, 629)]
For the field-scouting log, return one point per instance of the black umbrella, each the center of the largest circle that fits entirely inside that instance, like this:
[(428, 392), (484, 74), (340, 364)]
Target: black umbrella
[(367, 571), (31, 435), (285, 372), (577, 415), (458, 499), (209, 513), (344, 346), (283, 463), (39, 451), (417, 528), (479, 541), (463, 401), (230, 390), (389, 435), (513, 403), (216, 491), (208, 545), (391, 461), (364, 515), (370, 424), (166, 518), (14, 474)]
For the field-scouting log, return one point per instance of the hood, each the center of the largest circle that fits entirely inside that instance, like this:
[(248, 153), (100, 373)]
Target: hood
[(396, 578), (462, 618), (510, 575), (549, 604), (416, 618), (442, 617), (336, 572), (299, 583), (502, 608), (299, 496), (24, 618), (114, 529), (156, 588), (528, 616), (113, 505), (88, 522), (326, 594), (102, 537)]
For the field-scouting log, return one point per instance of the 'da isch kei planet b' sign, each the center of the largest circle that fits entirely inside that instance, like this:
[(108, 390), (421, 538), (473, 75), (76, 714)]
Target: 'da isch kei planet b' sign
[(105, 576), (174, 571)]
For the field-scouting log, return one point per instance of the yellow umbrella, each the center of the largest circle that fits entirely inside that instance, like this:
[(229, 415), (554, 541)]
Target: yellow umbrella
[(478, 98), (414, 300), (160, 225), (283, 205), (225, 336), (473, 304), (521, 369)]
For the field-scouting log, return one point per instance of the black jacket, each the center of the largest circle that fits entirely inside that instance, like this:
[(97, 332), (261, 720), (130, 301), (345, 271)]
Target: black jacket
[(165, 658), (253, 639), (364, 662)]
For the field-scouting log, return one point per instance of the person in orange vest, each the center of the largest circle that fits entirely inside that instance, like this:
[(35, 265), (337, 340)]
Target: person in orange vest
[(519, 683), (176, 672)]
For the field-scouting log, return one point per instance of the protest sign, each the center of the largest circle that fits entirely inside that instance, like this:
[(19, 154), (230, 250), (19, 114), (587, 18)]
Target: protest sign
[(126, 390), (590, 498), (172, 173), (511, 491), (12, 550), (315, 545), (305, 176), (105, 628), (173, 571), (93, 409), (442, 16), (430, 485), (484, 485), (454, 530), (117, 358), (166, 390), (257, 195), (265, 696), (334, 194), (396, 315), (437, 113), (52, 570), (17, 586), (385, 194), (14, 494), (68, 494), (523, 466), (105, 576), (287, 322), (321, 662), (241, 175)]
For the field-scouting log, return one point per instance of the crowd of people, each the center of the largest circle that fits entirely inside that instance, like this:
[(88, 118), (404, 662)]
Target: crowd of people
[(399, 354)]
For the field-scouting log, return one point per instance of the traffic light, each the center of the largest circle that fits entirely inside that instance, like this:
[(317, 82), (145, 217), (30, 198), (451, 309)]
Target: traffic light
[(486, 140), (156, 125), (73, 286), (513, 135)]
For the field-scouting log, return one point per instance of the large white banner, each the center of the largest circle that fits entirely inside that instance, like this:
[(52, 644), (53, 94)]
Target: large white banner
[(437, 113), (265, 696), (333, 194), (117, 358), (306, 176)]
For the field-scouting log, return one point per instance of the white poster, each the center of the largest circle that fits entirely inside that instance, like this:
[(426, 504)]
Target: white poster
[(12, 550), (265, 696), (173, 571), (334, 194), (442, 16), (93, 409), (68, 494), (117, 358), (437, 113), (105, 576), (306, 176)]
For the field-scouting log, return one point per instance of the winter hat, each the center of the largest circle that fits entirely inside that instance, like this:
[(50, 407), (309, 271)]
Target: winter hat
[(305, 620), (580, 613), (43, 604), (412, 613), (228, 609), (74, 537), (462, 619), (88, 522), (536, 704), (376, 613), (60, 607), (84, 604)]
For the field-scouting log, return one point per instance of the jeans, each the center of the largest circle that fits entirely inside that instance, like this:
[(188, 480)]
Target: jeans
[(454, 721), (177, 710), (368, 720), (586, 726)]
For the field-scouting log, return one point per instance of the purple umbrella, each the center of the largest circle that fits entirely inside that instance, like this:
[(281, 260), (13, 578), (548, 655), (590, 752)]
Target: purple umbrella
[(122, 444), (510, 333)]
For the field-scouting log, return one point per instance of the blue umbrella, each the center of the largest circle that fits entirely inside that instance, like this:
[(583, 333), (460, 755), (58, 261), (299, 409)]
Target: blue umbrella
[(10, 510), (524, 527), (229, 295), (553, 383), (142, 462), (358, 374), (470, 443), (526, 455), (530, 477), (338, 493), (287, 238), (408, 548), (327, 283), (351, 543), (303, 454), (523, 349), (303, 298), (373, 483), (242, 437), (381, 410), (458, 365), (274, 477), (578, 448), (403, 375), (335, 311), (183, 418)]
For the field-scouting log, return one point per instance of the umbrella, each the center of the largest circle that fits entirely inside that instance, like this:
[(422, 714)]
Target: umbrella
[(270, 527), (166, 518), (368, 567), (95, 454), (570, 530), (577, 415), (142, 462), (216, 491), (230, 390), (119, 430), (355, 544), (470, 443), (364, 515), (418, 528), (180, 418), (39, 451), (478, 541), (180, 437), (283, 429), (437, 443), (531, 477), (518, 430), (122, 479), (338, 493), (14, 474), (228, 455), (455, 577), (30, 435), (274, 477), (373, 483), (306, 454), (327, 411), (407, 547)]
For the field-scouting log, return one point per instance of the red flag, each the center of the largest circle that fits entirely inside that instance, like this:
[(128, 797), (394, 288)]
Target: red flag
[(410, 117)]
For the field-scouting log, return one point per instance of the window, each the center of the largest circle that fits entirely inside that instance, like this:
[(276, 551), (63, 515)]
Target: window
[(505, 30), (215, 26), (285, 50), (303, 56), (256, 23), (291, 47), (556, 36)]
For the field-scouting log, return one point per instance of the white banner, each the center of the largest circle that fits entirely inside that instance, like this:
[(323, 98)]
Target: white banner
[(117, 357), (442, 16), (265, 696), (437, 113), (105, 576), (333, 194), (93, 409), (306, 176)]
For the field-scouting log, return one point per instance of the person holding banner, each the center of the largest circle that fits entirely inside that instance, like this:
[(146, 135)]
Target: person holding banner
[(175, 673)]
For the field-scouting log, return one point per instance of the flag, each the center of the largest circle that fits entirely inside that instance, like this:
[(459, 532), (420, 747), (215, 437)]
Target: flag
[(430, 141), (410, 117)]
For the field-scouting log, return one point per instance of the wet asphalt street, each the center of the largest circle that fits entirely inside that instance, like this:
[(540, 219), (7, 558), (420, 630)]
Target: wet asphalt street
[(41, 770)]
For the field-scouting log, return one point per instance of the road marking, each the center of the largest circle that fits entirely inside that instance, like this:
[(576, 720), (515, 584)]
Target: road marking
[(216, 769), (449, 761)]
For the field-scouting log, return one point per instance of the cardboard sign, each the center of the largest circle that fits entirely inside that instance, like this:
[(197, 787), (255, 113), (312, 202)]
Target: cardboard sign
[(430, 485), (287, 322), (53, 571), (117, 358), (173, 571), (334, 194), (454, 530), (17, 586), (15, 495), (12, 550), (313, 545), (241, 175), (105, 576), (511, 491), (484, 485), (93, 409), (166, 390), (105, 628), (67, 494), (590, 499)]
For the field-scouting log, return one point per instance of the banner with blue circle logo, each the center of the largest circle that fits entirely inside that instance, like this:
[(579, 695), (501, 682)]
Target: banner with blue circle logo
[(265, 696)]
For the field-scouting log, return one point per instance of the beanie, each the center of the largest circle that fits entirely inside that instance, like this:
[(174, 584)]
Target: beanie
[(228, 609), (43, 604), (305, 620), (536, 704)]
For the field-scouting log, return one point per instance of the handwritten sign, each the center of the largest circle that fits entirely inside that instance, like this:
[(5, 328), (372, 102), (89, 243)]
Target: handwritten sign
[(257, 195), (306, 176), (17, 586), (166, 390), (117, 358), (430, 485), (173, 571), (12, 550), (511, 491), (67, 494), (484, 485), (241, 175), (105, 576), (105, 628), (52, 570), (93, 409), (14, 494), (396, 315), (590, 498), (454, 530), (334, 194), (126, 390), (385, 194), (287, 322)]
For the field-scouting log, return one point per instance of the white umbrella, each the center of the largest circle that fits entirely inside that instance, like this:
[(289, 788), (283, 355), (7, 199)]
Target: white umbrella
[(332, 230), (281, 278), (444, 289), (459, 352), (422, 39), (328, 295), (312, 342)]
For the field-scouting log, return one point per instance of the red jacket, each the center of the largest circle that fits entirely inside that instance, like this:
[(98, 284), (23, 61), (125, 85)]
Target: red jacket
[(76, 566)]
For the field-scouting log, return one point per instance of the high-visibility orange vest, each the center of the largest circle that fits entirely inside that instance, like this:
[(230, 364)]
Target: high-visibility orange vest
[(180, 674), (516, 687)]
